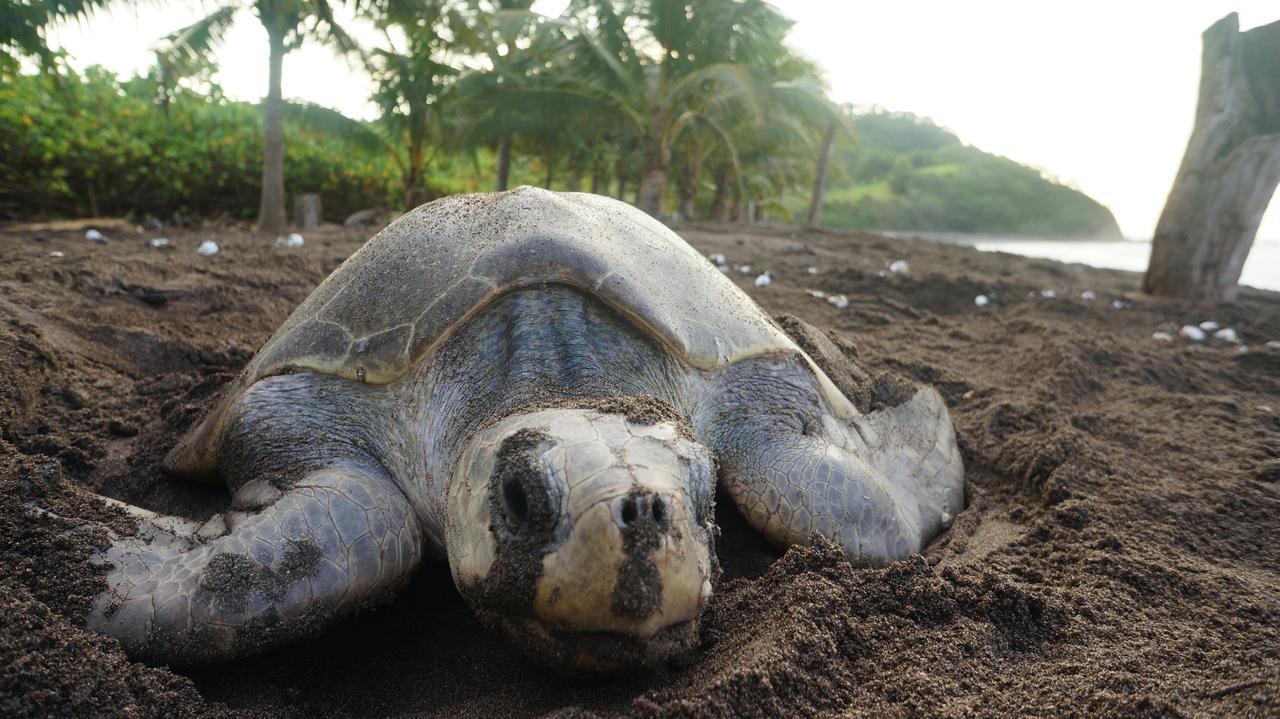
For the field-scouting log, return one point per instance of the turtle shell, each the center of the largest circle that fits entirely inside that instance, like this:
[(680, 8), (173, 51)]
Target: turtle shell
[(397, 297)]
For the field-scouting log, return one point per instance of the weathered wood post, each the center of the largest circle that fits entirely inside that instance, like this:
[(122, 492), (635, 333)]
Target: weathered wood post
[(1229, 172), (306, 211)]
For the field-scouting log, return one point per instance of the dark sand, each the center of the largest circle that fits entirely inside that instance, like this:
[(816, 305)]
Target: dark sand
[(1120, 554)]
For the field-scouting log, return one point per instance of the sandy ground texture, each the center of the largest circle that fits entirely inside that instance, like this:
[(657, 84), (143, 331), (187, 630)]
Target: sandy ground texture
[(1119, 555)]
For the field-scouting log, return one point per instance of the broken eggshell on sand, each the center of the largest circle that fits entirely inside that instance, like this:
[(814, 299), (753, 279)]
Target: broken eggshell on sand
[(1191, 332), (982, 300), (838, 301), (764, 280), (160, 242), (93, 235), (293, 240), (207, 248)]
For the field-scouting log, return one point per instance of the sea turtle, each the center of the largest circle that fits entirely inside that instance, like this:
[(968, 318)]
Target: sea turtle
[(544, 389)]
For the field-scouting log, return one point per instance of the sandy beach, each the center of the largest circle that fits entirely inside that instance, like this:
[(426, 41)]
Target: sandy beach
[(1119, 554)]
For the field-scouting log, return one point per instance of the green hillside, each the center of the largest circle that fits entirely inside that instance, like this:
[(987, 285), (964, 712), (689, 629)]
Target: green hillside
[(906, 173)]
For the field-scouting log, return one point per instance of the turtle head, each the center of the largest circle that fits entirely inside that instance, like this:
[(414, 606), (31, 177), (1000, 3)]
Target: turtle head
[(586, 537)]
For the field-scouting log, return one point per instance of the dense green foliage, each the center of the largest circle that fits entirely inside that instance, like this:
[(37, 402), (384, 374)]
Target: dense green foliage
[(907, 173), (93, 145)]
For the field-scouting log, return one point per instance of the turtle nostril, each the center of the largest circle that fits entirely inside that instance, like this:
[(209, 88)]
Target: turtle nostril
[(630, 512), (516, 502), (642, 508), (659, 511)]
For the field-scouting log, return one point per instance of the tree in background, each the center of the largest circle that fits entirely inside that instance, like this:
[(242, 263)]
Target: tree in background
[(505, 34), (288, 23), (664, 66), (415, 75), (1229, 172)]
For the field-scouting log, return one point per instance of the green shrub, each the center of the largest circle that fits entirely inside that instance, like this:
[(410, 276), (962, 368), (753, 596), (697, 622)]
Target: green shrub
[(91, 145)]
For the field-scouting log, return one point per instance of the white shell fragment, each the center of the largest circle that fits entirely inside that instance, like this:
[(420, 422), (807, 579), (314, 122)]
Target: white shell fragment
[(1120, 305), (293, 240), (57, 253), (206, 248), (839, 301), (764, 280), (1088, 296), (817, 293), (946, 519), (1227, 334), (744, 269), (723, 268), (718, 259), (1273, 344), (982, 300), (159, 242), (1191, 332), (812, 270), (1209, 326), (94, 236), (1048, 294), (1162, 336), (899, 266)]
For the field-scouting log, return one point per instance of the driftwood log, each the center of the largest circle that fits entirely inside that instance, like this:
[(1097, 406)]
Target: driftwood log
[(1229, 172)]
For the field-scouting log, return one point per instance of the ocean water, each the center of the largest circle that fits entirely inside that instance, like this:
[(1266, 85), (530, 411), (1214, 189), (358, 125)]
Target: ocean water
[(1261, 270)]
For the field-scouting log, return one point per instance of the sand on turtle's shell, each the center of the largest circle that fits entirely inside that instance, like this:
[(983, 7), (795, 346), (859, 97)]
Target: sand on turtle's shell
[(1120, 553)]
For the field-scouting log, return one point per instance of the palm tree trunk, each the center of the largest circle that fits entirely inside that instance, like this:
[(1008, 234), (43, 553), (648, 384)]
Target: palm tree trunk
[(414, 177), (687, 188), (820, 181), (271, 217), (720, 200), (652, 194), (504, 161)]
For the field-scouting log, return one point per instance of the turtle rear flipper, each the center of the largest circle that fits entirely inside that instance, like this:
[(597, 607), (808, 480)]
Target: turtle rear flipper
[(340, 539)]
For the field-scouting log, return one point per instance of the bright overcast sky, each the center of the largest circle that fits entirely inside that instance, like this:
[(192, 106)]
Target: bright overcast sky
[(1099, 93)]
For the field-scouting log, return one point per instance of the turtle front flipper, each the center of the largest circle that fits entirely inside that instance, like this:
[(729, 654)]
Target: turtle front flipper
[(880, 485), (340, 539)]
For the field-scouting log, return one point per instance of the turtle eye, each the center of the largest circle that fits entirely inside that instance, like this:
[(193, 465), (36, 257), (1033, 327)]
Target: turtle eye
[(523, 497), (515, 503)]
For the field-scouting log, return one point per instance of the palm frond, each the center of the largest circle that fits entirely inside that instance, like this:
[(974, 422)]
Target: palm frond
[(189, 50)]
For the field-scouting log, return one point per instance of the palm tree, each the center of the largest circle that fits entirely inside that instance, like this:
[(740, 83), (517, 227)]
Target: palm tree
[(687, 65), (416, 76), (288, 23)]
